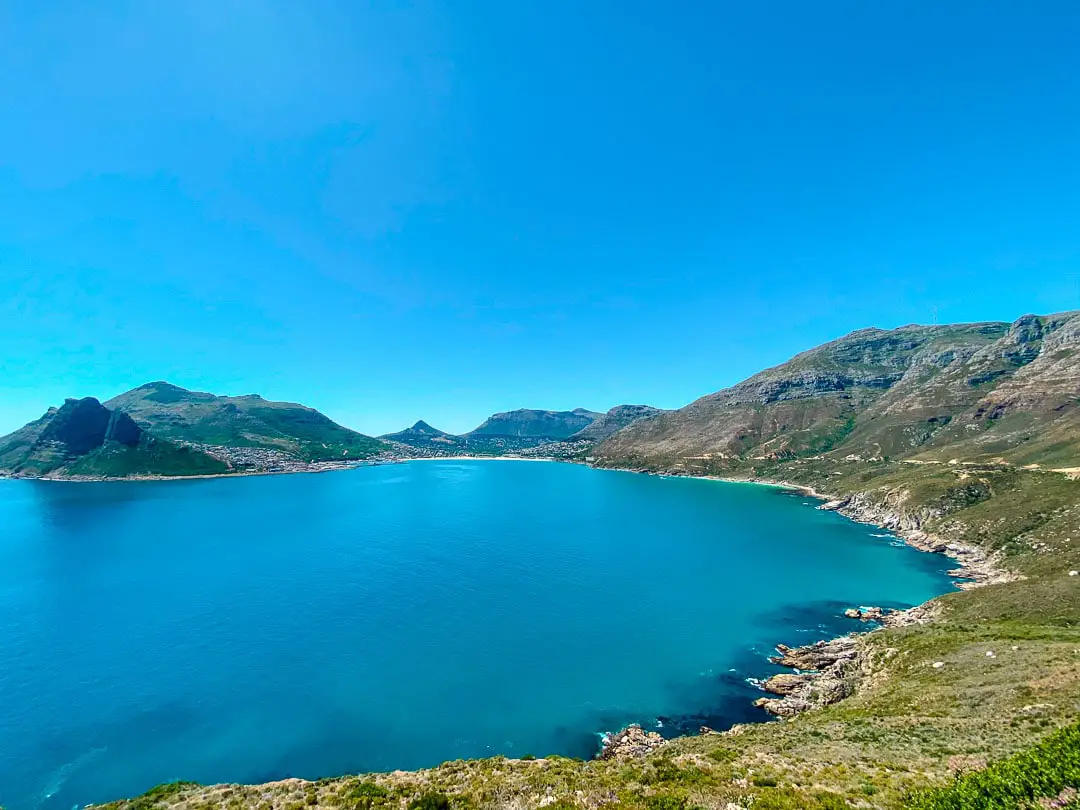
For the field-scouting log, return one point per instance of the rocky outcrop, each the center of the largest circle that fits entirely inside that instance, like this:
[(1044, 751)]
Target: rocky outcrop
[(78, 426), (633, 741), (82, 425), (825, 673), (867, 614), (920, 614)]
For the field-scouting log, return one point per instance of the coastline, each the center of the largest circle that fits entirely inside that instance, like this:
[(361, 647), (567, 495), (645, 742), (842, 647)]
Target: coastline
[(475, 458), (312, 469), (828, 671), (975, 566), (90, 479)]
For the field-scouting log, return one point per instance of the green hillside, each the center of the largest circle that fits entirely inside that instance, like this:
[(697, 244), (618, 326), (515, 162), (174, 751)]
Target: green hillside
[(83, 438), (163, 430), (171, 412)]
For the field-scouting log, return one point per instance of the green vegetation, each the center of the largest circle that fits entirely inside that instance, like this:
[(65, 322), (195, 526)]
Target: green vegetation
[(157, 796), (162, 430), (248, 421), (150, 457), (1043, 771), (430, 801)]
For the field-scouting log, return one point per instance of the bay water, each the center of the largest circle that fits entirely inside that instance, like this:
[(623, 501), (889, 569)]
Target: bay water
[(397, 616)]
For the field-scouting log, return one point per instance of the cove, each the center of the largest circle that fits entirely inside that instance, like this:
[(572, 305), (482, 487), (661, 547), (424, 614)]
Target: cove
[(397, 616)]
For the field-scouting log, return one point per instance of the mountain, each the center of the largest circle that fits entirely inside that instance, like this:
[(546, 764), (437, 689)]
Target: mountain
[(613, 421), (84, 438), (420, 430), (422, 435), (534, 424), (973, 392), (246, 421), (161, 429)]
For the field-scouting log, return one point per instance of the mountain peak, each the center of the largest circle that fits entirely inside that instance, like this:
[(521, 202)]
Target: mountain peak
[(420, 430)]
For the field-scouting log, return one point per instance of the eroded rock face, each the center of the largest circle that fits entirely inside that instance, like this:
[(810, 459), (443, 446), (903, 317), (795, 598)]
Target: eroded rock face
[(83, 425), (122, 429), (787, 683), (79, 426), (632, 741)]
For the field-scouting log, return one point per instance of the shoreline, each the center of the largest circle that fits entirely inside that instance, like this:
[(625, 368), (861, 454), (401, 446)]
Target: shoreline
[(826, 671), (975, 565), (80, 479), (476, 458), (336, 467)]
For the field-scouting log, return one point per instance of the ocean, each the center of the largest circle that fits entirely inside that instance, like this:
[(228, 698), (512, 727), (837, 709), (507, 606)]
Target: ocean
[(397, 616)]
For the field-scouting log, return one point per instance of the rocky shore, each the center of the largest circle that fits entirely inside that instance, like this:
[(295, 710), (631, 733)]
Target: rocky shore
[(829, 671), (976, 567)]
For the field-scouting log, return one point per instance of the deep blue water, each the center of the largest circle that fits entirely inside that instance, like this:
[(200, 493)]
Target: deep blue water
[(397, 616)]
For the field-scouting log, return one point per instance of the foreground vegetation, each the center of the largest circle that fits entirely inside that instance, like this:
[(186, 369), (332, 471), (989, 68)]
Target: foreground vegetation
[(1049, 770)]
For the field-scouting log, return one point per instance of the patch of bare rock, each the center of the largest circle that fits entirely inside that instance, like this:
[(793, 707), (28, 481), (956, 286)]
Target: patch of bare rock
[(824, 673), (633, 741)]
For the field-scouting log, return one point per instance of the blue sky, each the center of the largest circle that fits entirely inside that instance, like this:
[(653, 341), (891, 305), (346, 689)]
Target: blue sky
[(394, 211)]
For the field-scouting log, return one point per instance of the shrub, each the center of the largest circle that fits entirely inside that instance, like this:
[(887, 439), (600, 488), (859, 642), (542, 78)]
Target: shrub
[(365, 795), (665, 801), (430, 801), (1040, 772), (723, 755)]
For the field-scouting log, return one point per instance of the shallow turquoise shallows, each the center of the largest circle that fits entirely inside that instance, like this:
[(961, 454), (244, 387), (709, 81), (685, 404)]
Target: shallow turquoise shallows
[(398, 616)]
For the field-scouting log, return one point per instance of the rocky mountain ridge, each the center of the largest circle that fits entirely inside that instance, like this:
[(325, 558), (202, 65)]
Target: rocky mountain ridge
[(979, 392)]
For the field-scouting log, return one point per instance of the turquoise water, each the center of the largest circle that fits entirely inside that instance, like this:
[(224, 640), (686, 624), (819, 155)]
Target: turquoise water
[(394, 617)]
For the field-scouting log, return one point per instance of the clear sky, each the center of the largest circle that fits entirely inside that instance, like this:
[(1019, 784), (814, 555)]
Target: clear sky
[(392, 211)]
